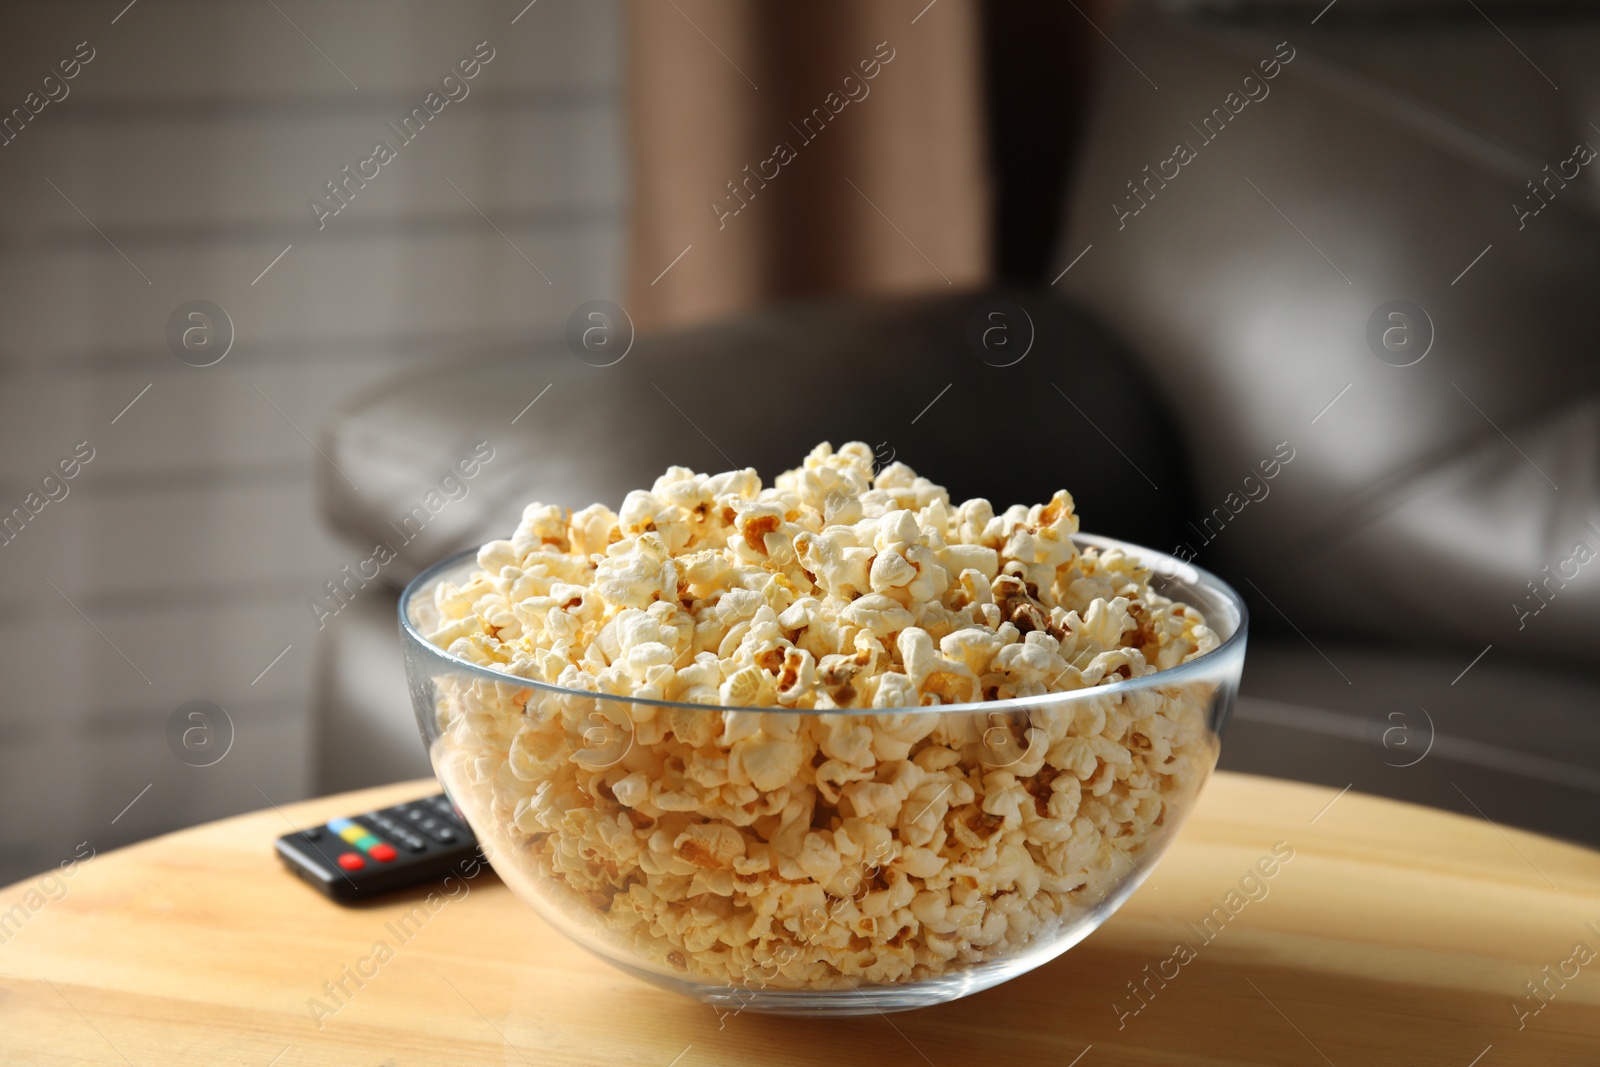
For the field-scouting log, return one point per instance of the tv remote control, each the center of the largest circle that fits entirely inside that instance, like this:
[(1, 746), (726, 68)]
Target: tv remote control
[(393, 848)]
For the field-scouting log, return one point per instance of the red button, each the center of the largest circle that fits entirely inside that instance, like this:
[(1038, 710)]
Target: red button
[(383, 853), (351, 862)]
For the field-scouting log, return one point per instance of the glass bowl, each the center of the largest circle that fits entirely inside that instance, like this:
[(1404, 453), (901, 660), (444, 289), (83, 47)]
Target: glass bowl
[(988, 838)]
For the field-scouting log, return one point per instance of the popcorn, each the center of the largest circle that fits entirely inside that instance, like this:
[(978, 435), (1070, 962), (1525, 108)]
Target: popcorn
[(823, 822)]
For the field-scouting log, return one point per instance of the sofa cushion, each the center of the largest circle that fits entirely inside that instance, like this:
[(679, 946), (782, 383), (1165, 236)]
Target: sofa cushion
[(1413, 725)]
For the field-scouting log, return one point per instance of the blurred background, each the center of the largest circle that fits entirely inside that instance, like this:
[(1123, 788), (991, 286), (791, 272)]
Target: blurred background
[(1303, 292)]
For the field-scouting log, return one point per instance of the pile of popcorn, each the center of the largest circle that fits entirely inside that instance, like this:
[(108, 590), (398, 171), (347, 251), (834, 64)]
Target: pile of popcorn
[(851, 832)]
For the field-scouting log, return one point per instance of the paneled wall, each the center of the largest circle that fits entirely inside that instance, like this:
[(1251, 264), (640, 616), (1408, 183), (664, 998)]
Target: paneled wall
[(177, 165)]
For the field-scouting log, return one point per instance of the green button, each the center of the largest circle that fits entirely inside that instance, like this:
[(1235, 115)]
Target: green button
[(365, 842)]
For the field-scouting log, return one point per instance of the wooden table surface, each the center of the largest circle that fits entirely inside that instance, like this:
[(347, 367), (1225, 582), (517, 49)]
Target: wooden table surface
[(1395, 935)]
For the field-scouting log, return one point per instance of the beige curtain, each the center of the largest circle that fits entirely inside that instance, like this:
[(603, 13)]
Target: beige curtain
[(851, 133)]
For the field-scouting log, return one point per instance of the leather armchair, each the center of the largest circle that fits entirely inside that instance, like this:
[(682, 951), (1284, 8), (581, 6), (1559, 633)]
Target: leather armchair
[(1222, 324)]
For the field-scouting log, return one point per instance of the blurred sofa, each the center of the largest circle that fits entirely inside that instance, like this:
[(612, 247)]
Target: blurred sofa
[(1425, 625)]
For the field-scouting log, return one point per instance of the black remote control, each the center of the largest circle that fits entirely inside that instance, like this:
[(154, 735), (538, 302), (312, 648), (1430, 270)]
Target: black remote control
[(409, 844)]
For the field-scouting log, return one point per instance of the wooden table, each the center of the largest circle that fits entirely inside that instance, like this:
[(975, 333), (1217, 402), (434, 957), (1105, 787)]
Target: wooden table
[(1395, 935)]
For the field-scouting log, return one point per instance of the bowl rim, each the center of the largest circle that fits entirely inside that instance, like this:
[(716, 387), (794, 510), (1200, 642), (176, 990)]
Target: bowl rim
[(1159, 562)]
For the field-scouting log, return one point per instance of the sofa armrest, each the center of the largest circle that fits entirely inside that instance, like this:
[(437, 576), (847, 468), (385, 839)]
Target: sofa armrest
[(759, 391)]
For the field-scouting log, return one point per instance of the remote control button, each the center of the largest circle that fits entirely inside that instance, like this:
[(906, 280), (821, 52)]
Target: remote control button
[(351, 862), (430, 824), (365, 842), (382, 853), (444, 835), (313, 834), (416, 814), (413, 843)]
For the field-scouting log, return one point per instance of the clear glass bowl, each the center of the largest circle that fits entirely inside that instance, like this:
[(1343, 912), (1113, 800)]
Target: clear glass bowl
[(990, 838)]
